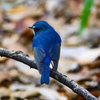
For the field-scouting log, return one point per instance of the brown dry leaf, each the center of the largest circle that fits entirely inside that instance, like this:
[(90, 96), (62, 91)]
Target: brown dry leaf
[(62, 92), (45, 92), (79, 98), (10, 63), (16, 13), (17, 9), (3, 59), (13, 73), (98, 76), (4, 74), (20, 12), (9, 26), (5, 92), (95, 93), (75, 7), (36, 12), (95, 64)]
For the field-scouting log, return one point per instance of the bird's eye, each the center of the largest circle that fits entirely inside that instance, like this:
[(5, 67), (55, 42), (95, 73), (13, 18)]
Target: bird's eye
[(37, 29)]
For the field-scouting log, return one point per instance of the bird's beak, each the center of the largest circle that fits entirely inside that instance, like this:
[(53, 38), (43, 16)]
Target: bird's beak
[(32, 27)]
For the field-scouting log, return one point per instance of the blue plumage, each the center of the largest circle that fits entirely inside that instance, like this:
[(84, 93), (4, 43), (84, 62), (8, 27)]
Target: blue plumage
[(46, 48)]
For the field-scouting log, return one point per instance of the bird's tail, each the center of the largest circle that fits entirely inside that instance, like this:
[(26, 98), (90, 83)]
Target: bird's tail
[(45, 74)]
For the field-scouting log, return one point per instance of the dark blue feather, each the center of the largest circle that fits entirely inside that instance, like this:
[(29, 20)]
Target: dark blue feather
[(46, 47)]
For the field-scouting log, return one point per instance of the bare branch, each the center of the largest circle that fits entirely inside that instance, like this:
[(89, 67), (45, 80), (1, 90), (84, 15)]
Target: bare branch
[(20, 56)]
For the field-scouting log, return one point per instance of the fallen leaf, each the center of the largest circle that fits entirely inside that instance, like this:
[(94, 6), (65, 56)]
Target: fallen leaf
[(5, 92), (24, 94), (88, 56)]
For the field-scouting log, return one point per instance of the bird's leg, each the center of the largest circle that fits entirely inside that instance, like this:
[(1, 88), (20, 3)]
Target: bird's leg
[(52, 65)]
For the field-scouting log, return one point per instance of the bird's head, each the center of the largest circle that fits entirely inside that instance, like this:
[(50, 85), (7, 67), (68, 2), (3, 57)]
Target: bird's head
[(40, 27)]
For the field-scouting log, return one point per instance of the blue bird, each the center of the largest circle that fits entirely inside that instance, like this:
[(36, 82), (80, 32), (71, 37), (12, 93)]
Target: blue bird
[(46, 48)]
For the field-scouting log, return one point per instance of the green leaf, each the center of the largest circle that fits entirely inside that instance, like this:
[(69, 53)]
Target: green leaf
[(85, 15)]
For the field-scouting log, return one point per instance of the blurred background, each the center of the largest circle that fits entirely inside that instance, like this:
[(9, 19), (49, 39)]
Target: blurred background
[(80, 50)]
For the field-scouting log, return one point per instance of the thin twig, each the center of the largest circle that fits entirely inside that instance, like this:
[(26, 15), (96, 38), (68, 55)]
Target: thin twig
[(20, 56)]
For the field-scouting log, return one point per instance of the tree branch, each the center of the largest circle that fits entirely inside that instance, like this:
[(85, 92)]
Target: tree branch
[(20, 56)]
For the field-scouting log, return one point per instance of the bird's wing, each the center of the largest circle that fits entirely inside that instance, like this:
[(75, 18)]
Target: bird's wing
[(54, 53), (39, 55)]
